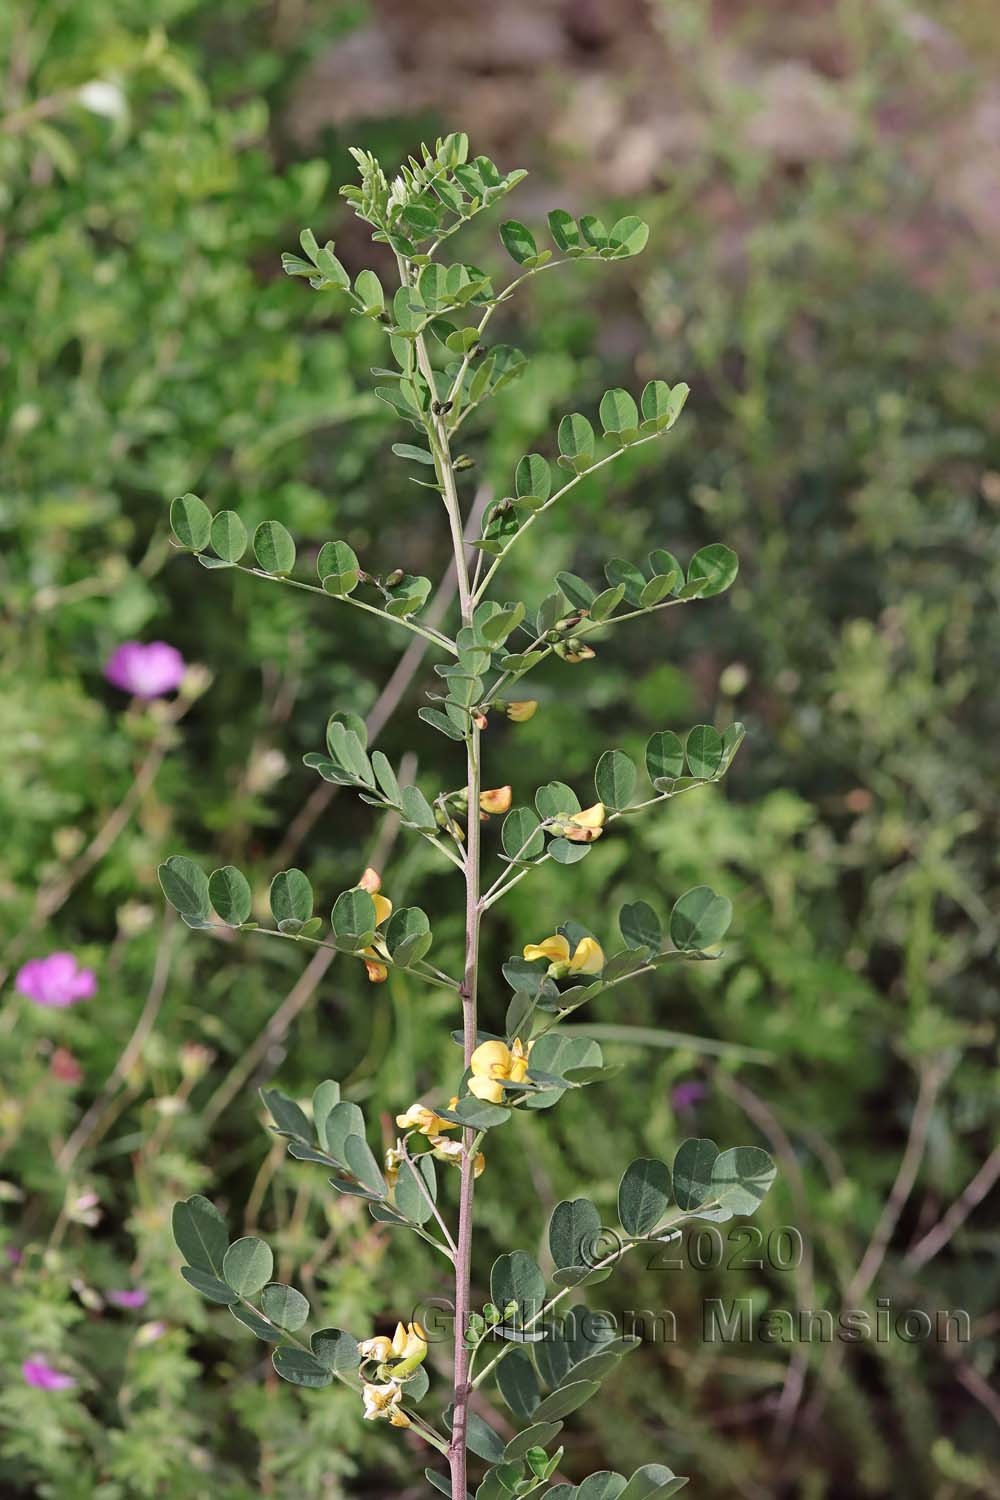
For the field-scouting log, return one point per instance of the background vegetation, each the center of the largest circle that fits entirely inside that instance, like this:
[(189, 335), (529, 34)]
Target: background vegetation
[(821, 185)]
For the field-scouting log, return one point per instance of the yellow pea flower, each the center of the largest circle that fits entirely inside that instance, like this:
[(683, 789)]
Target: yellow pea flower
[(400, 1355), (419, 1117), (522, 710), (496, 801), (378, 972), (381, 1400), (493, 1063), (586, 958), (453, 1151)]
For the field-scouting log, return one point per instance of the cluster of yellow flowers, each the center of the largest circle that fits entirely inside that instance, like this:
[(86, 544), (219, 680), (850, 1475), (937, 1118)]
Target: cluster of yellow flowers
[(397, 1359)]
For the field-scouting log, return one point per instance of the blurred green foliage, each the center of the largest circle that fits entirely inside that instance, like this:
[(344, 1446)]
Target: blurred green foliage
[(841, 433)]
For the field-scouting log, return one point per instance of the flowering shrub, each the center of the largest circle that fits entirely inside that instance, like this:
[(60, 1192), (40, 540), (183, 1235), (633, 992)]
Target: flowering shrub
[(522, 1346)]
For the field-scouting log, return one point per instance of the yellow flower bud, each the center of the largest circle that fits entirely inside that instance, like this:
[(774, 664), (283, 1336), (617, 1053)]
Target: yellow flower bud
[(371, 881), (378, 1349), (586, 826), (496, 801), (393, 1158), (383, 908), (377, 972), (453, 1151), (522, 710)]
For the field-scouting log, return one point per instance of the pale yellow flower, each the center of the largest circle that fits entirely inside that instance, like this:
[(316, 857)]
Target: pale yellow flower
[(419, 1117), (378, 1349), (381, 1400), (584, 827), (522, 710)]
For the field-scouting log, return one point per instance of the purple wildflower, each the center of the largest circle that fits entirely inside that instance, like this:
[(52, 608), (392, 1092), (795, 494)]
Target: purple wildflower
[(56, 981), (45, 1377), (128, 1299), (686, 1096), (146, 670)]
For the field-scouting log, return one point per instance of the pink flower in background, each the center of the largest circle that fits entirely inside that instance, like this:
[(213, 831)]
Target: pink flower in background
[(146, 671), (13, 1255), (65, 1067), (129, 1299), (686, 1096), (45, 1377), (56, 981)]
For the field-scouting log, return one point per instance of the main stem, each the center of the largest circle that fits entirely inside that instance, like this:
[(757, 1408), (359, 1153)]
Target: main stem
[(437, 432)]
